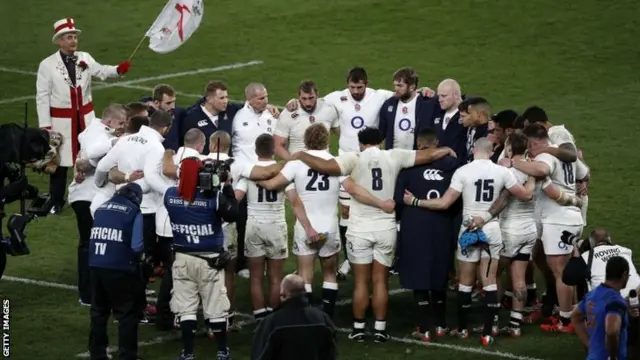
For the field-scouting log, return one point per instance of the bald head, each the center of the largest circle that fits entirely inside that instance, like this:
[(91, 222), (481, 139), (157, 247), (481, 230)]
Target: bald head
[(219, 142), (256, 95), (252, 89), (449, 94), (194, 139), (483, 148), (292, 285)]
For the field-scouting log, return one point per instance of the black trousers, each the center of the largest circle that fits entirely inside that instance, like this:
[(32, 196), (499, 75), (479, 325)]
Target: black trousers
[(85, 222), (58, 185), (164, 316), (149, 234), (117, 292), (241, 226)]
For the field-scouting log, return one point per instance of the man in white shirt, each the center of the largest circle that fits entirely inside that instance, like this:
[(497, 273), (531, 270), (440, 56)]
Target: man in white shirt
[(266, 236), (290, 132), (143, 150), (479, 183), (249, 122), (95, 141), (554, 218), (371, 237), (313, 197)]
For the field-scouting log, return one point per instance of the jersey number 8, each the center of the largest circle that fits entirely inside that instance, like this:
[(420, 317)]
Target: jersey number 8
[(376, 179), (314, 184), (268, 195)]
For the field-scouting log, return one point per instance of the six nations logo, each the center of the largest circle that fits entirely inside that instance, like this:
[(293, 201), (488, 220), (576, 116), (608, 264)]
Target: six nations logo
[(431, 174)]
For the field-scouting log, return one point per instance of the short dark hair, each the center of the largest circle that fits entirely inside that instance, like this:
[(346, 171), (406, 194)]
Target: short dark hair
[(505, 118), (160, 119), (535, 131), (308, 87), (472, 101), (136, 122), (370, 136), (427, 135), (406, 75), (356, 75), (616, 267), (162, 89), (316, 137), (135, 108), (519, 143), (265, 146), (535, 114), (213, 86), (518, 123)]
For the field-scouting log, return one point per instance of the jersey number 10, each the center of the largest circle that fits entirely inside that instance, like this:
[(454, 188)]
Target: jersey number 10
[(268, 195), (484, 190)]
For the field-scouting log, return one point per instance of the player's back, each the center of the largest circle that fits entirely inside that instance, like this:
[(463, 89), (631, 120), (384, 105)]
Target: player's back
[(262, 204), (563, 176), (518, 216), (558, 134), (481, 182), (319, 194), (377, 170)]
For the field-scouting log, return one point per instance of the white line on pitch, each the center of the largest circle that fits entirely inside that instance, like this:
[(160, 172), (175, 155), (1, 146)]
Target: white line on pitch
[(40, 283), (136, 81)]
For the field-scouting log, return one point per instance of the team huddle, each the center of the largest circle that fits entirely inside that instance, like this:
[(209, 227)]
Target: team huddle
[(508, 186)]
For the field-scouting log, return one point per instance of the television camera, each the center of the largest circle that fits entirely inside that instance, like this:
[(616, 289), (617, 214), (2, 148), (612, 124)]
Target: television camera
[(21, 147), (213, 174)]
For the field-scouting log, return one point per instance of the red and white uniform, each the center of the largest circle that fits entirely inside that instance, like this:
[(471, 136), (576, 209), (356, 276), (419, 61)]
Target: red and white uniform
[(63, 107)]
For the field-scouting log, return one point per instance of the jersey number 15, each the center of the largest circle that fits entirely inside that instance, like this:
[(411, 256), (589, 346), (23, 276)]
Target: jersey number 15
[(484, 190)]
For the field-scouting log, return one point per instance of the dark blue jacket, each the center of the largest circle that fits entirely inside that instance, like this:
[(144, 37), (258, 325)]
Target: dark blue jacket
[(425, 111), (196, 227), (197, 119), (424, 252), (472, 134), (175, 137), (116, 237)]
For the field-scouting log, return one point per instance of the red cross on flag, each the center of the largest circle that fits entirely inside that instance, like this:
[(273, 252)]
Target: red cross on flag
[(176, 23)]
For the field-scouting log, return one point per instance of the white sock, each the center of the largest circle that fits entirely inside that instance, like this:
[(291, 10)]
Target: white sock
[(308, 288), (380, 325)]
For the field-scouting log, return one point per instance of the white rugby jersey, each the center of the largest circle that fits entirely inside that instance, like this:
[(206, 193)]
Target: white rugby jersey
[(140, 151), (356, 115), (262, 204), (601, 255), (318, 192), (563, 176), (559, 135), (480, 182), (405, 124), (518, 217), (292, 125), (375, 170), (247, 126)]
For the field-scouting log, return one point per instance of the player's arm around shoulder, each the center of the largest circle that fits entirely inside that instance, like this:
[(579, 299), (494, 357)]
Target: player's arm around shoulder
[(540, 167), (283, 178), (259, 173), (340, 165), (515, 188), (426, 156), (281, 135)]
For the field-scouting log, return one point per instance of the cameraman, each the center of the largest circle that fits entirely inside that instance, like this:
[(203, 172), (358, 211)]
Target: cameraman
[(196, 218), (591, 267)]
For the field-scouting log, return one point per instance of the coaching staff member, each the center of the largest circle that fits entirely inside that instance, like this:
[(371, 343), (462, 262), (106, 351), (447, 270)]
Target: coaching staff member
[(297, 330), (116, 280), (196, 217)]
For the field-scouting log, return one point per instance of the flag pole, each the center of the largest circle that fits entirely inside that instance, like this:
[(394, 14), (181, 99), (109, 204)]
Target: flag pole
[(138, 47)]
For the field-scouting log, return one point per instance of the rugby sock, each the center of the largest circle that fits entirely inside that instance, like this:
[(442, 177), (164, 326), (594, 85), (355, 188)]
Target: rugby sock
[(492, 308), (439, 307), (358, 324), (329, 296), (269, 310), (515, 319), (188, 328), (380, 326), (464, 304), (309, 290), (532, 294), (549, 300), (565, 318), (221, 340), (260, 314), (421, 298)]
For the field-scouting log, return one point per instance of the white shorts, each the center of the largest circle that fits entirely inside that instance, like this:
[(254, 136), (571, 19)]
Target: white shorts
[(363, 248), (474, 254), (551, 234), (195, 280), (517, 244), (230, 238), (329, 248), (266, 239)]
